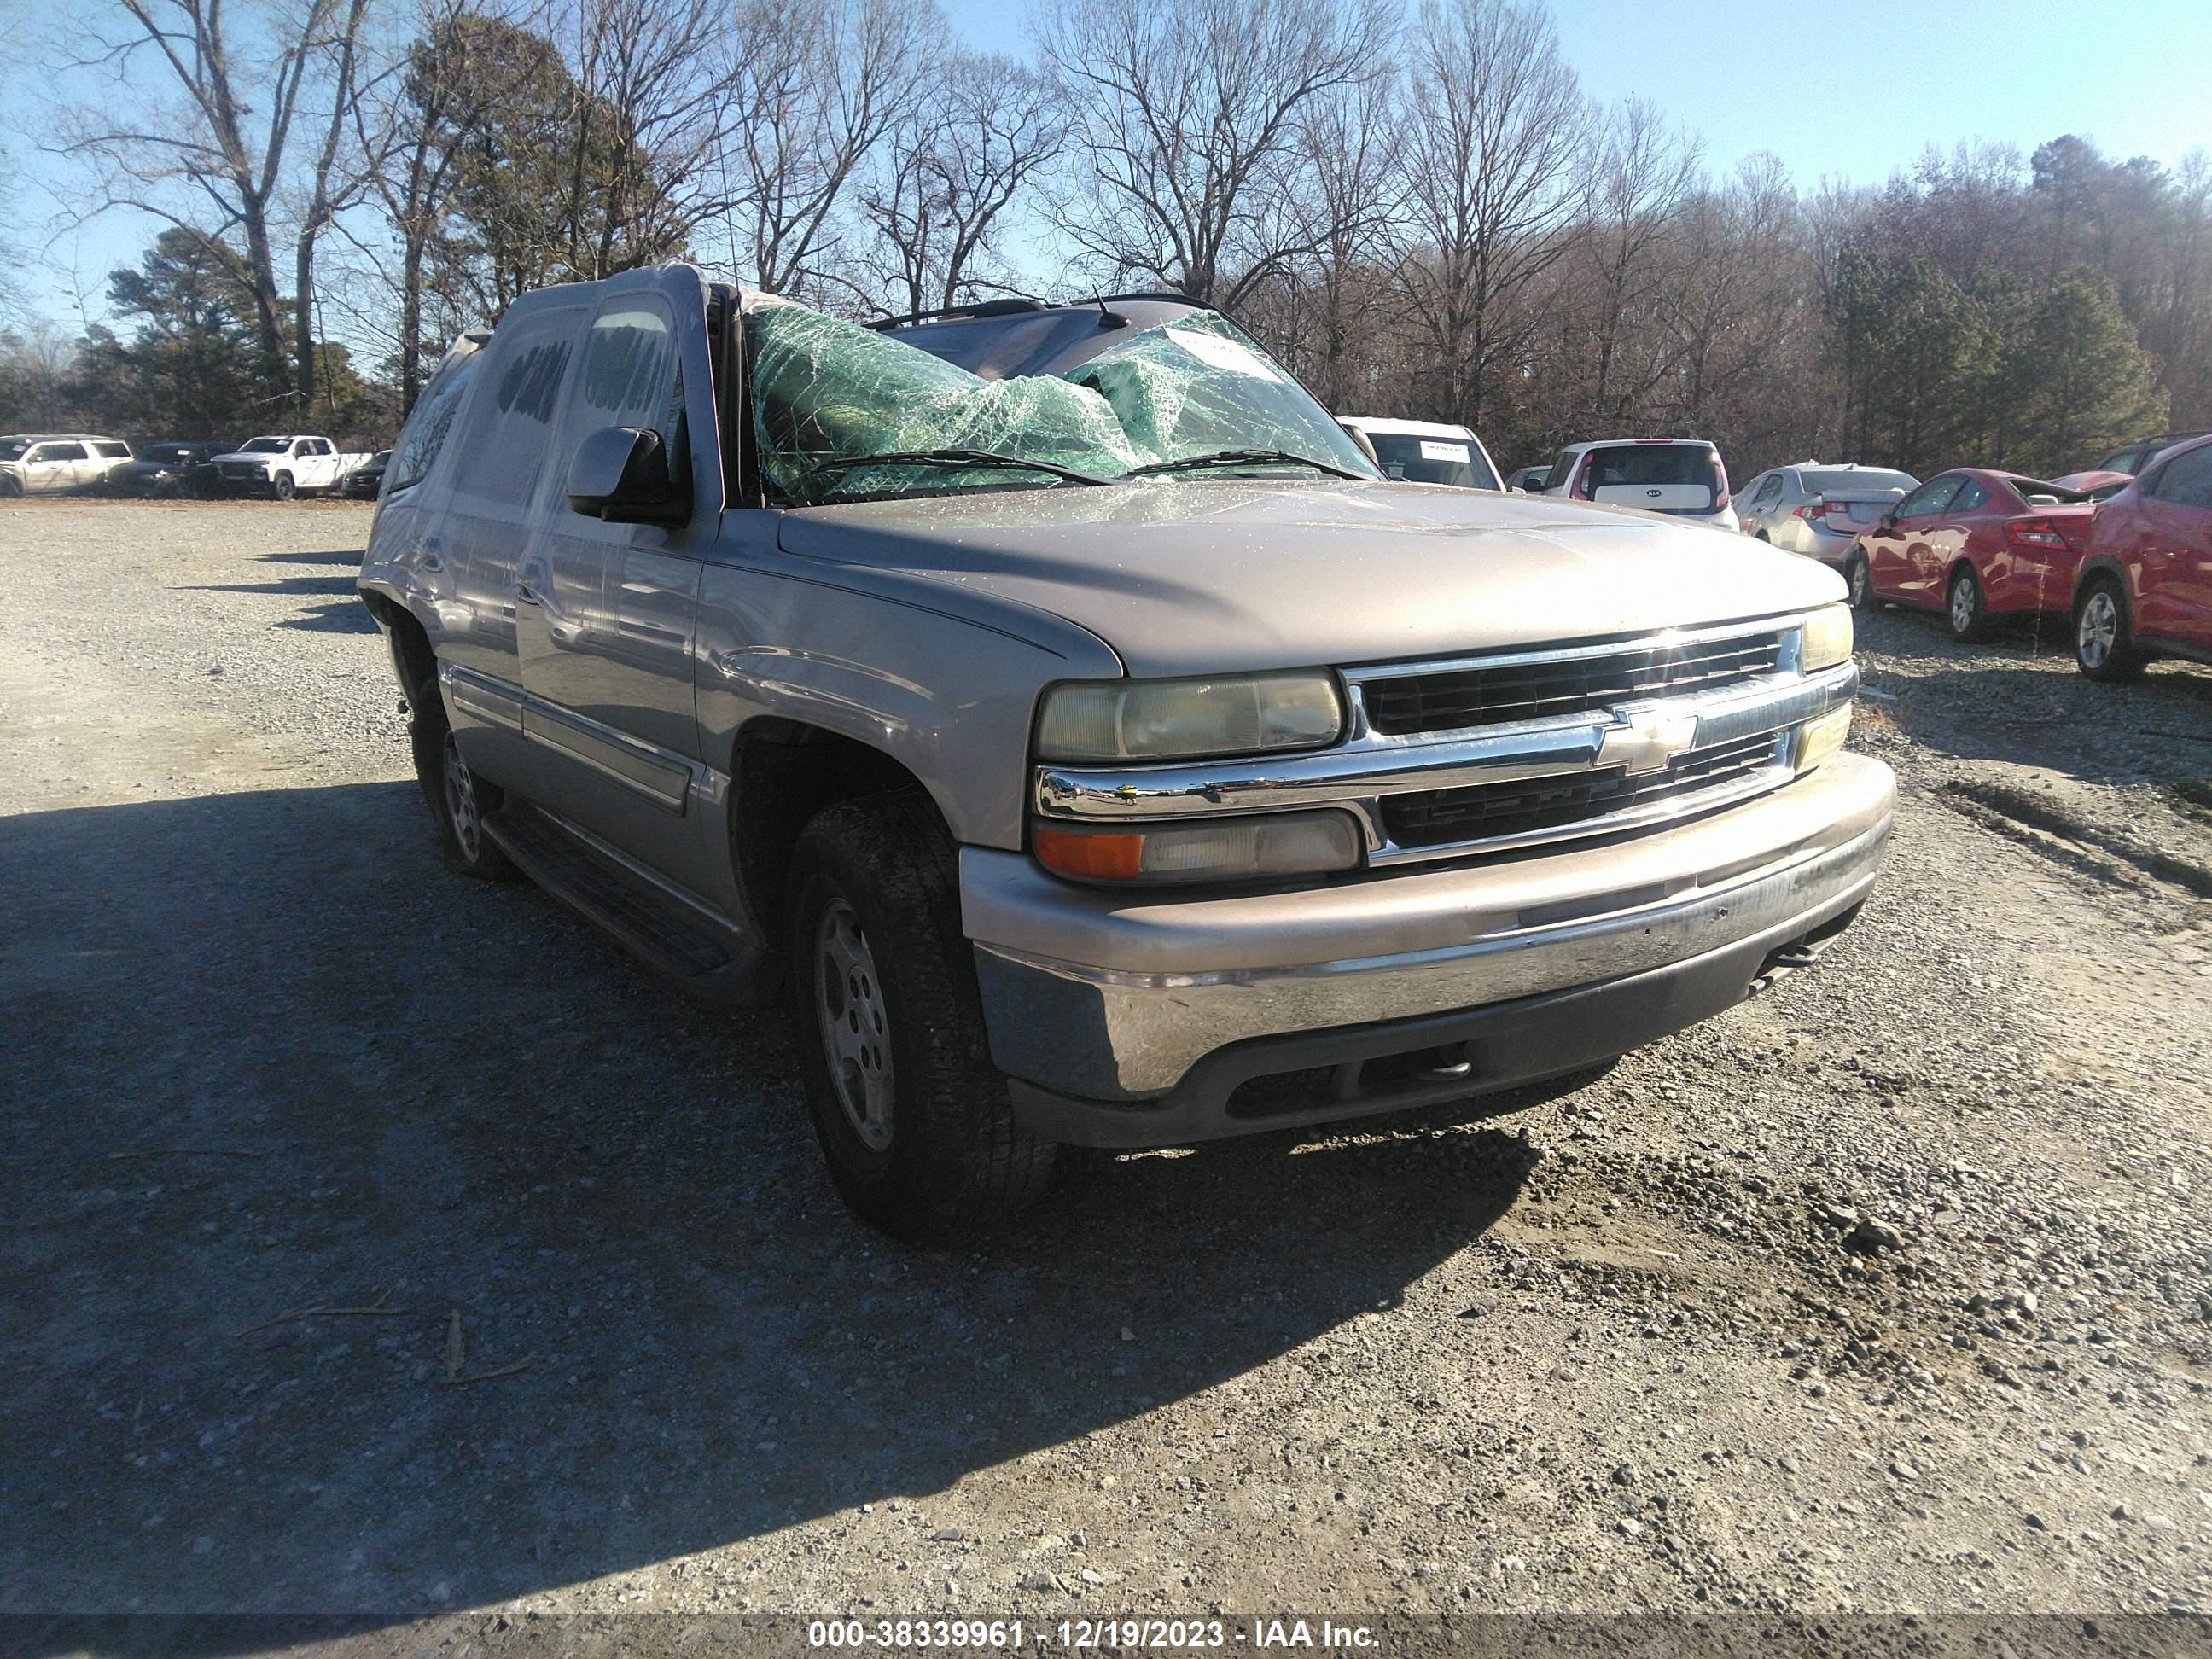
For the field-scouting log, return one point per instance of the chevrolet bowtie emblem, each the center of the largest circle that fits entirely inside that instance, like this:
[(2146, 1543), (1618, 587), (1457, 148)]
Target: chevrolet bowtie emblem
[(1646, 739)]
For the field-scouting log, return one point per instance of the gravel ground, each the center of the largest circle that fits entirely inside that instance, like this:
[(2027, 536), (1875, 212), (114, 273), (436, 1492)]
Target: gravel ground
[(1889, 1290)]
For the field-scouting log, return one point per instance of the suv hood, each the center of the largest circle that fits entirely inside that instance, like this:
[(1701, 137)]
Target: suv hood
[(1209, 576)]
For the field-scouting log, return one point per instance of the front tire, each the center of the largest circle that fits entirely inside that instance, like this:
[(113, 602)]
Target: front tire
[(459, 800), (914, 1122), (2104, 634), (1858, 575), (1967, 610), (282, 487)]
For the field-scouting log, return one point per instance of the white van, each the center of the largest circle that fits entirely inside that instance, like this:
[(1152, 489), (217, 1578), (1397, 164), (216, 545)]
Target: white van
[(1426, 452)]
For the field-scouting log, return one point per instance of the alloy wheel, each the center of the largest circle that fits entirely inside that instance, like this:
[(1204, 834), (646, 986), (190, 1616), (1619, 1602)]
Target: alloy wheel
[(1962, 605), (2099, 628), (854, 1024), (461, 809)]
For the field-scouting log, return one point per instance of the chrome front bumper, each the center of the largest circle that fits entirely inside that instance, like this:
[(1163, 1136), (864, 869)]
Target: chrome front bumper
[(1102, 997)]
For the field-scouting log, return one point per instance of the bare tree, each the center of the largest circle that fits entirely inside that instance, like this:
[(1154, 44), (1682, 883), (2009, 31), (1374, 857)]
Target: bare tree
[(220, 142), (1739, 301), (1496, 135), (655, 82), (329, 188), (818, 87), (1188, 119), (1351, 190), (1642, 175), (408, 123), (974, 142)]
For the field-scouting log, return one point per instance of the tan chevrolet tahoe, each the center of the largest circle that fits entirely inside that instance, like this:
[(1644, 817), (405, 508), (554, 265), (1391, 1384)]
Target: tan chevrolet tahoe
[(1054, 706)]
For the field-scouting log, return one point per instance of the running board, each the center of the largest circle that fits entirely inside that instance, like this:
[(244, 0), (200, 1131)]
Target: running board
[(699, 957)]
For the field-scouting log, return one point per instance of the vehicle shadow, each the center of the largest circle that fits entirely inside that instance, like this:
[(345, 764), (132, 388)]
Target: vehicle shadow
[(349, 557), (2014, 700), (266, 1056)]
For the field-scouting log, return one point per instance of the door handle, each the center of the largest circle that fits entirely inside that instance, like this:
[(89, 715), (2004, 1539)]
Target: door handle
[(528, 595)]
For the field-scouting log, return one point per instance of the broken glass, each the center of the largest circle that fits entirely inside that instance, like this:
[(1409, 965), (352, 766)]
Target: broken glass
[(825, 390), (1197, 385)]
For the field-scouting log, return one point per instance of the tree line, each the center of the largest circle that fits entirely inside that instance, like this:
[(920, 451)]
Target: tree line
[(1422, 213)]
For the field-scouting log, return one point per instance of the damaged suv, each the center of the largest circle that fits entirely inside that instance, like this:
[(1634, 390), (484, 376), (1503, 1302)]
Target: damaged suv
[(1057, 709)]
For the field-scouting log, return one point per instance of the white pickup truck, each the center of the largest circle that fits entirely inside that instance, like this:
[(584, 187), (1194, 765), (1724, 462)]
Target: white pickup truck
[(283, 466)]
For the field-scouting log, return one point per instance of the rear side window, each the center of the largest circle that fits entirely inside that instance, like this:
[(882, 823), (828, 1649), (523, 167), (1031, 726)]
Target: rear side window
[(2186, 480), (114, 452), (1931, 497), (418, 446), (2121, 460)]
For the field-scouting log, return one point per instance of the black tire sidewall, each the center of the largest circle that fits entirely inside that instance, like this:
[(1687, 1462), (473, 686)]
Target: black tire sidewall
[(860, 1172), (426, 736), (956, 1159), (282, 487), (1978, 628), (1858, 579), (2123, 661)]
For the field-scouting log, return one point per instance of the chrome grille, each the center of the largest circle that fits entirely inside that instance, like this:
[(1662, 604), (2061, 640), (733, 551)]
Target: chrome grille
[(1489, 811), (1471, 696)]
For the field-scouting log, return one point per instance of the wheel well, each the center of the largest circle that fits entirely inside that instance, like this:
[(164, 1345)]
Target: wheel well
[(783, 773), (411, 656), (1951, 577), (2092, 576)]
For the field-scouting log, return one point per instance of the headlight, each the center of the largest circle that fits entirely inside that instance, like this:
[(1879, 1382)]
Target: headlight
[(1827, 638), (1169, 719), (1818, 738), (1254, 847)]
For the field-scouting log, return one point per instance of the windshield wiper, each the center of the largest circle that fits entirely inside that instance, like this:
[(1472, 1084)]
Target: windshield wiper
[(954, 459), (1233, 457)]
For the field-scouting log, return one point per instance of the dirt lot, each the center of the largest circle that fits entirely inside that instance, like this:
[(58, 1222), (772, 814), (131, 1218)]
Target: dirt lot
[(1630, 1347)]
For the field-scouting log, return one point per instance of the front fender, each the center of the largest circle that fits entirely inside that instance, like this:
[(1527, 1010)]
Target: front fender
[(946, 688)]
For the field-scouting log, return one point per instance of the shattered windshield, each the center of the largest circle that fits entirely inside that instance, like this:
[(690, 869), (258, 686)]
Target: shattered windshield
[(826, 391)]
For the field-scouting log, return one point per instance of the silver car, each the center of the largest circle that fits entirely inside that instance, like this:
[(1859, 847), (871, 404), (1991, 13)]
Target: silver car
[(1819, 509), (1056, 710), (59, 463)]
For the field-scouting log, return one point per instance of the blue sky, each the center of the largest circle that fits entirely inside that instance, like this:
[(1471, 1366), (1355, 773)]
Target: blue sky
[(1835, 92)]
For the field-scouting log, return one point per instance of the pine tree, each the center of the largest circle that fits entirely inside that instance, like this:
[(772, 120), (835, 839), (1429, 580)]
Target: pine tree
[(2077, 381)]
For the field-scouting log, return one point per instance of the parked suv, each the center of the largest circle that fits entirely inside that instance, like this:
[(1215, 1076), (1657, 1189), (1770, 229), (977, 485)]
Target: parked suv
[(2137, 456), (1681, 478), (1817, 509), (1090, 743), (2144, 589), (59, 463)]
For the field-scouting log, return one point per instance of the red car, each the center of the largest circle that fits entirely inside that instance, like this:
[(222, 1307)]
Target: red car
[(1977, 545), (2145, 585)]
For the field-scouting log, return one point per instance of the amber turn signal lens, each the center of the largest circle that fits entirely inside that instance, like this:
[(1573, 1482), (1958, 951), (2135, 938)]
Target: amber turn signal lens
[(1249, 847), (1090, 854)]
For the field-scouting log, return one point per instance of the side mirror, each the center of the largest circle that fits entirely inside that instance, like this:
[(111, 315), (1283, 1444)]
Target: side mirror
[(621, 474)]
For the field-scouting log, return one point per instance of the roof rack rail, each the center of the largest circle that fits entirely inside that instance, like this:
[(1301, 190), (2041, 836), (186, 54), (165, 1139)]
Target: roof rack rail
[(981, 308)]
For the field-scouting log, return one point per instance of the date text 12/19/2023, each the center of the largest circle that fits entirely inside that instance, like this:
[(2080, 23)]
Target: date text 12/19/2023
[(1013, 1635)]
